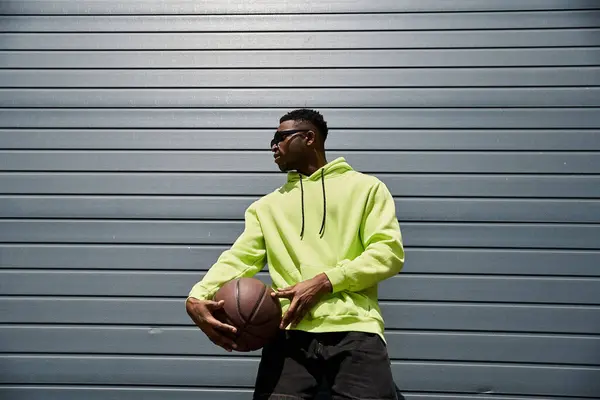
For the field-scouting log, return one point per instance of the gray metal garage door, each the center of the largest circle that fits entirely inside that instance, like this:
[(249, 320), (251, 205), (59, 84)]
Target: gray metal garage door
[(134, 134)]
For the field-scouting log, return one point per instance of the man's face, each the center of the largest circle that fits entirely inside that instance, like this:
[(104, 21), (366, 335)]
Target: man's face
[(288, 145)]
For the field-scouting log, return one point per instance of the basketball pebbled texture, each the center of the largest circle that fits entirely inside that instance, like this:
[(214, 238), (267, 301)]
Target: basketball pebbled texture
[(251, 309)]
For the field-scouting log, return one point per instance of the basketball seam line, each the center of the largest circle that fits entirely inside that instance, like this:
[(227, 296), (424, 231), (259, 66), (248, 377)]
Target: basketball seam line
[(238, 308), (257, 305)]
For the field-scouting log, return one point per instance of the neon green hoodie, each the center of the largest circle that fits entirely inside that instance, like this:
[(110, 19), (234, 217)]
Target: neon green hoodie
[(337, 221)]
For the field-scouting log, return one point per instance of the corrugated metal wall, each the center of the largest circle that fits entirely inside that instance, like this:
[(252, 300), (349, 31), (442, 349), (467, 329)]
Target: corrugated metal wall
[(134, 134)]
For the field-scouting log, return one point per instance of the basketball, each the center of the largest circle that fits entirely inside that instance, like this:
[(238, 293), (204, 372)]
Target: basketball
[(250, 308)]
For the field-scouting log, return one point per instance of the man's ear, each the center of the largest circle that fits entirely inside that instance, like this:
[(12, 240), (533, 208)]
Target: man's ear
[(311, 138)]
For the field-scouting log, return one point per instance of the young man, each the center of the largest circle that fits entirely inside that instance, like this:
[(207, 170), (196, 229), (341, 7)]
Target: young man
[(330, 235)]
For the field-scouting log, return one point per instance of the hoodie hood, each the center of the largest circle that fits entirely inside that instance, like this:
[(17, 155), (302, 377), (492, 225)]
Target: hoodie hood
[(334, 168)]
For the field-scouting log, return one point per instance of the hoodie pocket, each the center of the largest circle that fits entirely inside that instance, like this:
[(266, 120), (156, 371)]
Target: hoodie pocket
[(336, 304), (342, 304)]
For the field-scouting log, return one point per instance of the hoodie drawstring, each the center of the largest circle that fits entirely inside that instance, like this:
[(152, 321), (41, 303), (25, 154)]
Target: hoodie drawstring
[(322, 230), (302, 198)]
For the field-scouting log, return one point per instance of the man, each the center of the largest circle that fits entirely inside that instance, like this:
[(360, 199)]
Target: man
[(330, 235)]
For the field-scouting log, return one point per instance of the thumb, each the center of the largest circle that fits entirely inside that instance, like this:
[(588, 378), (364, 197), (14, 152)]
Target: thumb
[(214, 305)]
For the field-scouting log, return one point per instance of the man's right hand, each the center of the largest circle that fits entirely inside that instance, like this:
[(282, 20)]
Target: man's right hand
[(201, 312)]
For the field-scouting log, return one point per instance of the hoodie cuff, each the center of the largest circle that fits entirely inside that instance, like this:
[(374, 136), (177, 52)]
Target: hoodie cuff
[(337, 277), (199, 292)]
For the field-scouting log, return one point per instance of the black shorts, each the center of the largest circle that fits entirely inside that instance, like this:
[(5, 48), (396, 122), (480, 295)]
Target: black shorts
[(346, 365)]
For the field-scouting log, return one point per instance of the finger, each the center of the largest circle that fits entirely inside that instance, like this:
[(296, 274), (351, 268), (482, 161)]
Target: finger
[(278, 292), (284, 293), (214, 337), (220, 340), (289, 315), (216, 324), (215, 305), (299, 315)]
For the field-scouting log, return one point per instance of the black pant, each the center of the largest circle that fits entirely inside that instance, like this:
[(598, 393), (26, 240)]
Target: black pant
[(347, 365)]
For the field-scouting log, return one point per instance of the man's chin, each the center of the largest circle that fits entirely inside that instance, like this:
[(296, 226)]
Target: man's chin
[(283, 168)]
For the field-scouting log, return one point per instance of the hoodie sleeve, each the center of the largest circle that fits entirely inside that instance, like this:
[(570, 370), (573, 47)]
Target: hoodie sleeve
[(245, 258), (383, 255)]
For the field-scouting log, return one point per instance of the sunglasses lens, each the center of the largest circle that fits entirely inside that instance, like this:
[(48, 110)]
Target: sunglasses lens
[(278, 137), (281, 135)]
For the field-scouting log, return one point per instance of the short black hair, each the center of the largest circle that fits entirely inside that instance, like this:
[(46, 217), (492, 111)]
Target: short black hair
[(307, 115)]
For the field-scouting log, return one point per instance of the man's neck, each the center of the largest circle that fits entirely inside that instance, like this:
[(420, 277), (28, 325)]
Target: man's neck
[(313, 164)]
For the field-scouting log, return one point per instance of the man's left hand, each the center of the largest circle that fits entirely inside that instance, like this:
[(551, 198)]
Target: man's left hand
[(303, 297)]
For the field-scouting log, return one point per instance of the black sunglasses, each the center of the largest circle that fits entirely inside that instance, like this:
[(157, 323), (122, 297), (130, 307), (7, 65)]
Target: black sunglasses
[(281, 135)]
